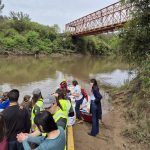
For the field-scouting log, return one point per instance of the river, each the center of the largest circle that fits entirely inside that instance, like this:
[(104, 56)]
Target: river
[(28, 73)]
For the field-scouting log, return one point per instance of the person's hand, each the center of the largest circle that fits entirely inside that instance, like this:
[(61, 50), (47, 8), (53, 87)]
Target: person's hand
[(21, 107), (21, 137)]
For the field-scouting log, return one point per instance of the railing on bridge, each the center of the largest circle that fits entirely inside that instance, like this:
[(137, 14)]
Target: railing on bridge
[(105, 20)]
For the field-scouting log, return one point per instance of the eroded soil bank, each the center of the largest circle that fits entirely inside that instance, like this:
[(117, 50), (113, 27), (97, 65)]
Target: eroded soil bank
[(110, 137)]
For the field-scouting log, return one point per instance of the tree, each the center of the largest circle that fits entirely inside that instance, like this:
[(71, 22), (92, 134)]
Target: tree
[(19, 16), (20, 21), (1, 6), (135, 39)]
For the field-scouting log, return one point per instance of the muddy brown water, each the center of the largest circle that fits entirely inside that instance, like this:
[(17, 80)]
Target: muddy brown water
[(28, 73)]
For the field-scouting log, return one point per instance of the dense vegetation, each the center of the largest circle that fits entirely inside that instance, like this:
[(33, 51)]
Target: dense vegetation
[(135, 47), (18, 34)]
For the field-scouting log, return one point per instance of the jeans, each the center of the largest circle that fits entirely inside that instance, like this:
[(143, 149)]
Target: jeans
[(14, 145), (99, 111), (77, 108), (95, 118)]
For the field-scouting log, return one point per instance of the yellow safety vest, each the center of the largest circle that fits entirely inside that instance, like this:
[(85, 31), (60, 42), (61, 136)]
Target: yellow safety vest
[(40, 104), (59, 114), (66, 105)]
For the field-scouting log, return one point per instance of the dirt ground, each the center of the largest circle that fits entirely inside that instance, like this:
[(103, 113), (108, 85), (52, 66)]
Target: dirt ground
[(109, 138)]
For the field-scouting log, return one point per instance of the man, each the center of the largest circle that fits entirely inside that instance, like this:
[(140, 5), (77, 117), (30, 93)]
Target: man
[(37, 103), (59, 116), (53, 107), (16, 119)]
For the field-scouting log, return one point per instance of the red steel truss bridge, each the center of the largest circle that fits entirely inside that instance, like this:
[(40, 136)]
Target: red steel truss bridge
[(104, 20)]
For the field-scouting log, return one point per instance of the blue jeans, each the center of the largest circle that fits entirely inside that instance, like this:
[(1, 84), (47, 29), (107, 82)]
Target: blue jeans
[(95, 118), (77, 108), (14, 145), (99, 111)]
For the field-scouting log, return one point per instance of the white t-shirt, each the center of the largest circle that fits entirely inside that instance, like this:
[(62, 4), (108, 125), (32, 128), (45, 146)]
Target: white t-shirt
[(77, 90)]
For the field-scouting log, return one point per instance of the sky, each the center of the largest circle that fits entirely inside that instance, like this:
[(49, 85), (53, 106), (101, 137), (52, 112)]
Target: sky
[(50, 12)]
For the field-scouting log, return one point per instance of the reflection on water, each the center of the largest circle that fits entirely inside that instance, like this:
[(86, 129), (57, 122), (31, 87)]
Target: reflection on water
[(115, 78), (28, 73)]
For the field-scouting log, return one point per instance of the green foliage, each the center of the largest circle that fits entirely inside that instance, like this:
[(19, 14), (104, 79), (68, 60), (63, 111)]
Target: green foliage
[(19, 21), (92, 44), (32, 38), (9, 42), (135, 46), (20, 33), (10, 32), (135, 39)]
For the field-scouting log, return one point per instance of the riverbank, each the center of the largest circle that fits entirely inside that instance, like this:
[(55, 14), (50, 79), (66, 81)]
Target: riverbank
[(37, 53), (111, 132)]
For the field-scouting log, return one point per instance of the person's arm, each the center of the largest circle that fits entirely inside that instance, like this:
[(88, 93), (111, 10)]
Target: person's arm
[(42, 145), (62, 122), (97, 95), (75, 94), (24, 139), (26, 145), (35, 133), (36, 139)]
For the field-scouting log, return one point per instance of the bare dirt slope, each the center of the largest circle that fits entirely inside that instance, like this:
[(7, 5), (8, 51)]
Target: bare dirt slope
[(110, 137)]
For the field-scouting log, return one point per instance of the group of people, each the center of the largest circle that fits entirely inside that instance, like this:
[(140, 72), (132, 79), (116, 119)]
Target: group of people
[(41, 123)]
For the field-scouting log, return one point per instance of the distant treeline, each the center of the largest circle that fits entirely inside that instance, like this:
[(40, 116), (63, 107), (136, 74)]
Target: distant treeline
[(18, 34)]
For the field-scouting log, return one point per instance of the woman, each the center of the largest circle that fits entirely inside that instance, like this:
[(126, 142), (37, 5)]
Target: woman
[(78, 99), (64, 87), (95, 107), (45, 123), (3, 139), (37, 105), (64, 104), (27, 104)]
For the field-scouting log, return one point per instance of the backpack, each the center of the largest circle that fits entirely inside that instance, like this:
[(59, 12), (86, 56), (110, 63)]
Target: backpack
[(84, 93)]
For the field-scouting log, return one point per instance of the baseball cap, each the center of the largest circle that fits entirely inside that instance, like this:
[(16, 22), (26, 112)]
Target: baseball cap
[(36, 91), (49, 100)]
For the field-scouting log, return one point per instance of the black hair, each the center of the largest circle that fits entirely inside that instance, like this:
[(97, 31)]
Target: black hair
[(13, 95), (35, 98), (95, 85), (2, 127), (75, 82), (61, 94), (45, 119)]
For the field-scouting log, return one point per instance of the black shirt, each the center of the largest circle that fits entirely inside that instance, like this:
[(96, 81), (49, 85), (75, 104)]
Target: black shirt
[(17, 120)]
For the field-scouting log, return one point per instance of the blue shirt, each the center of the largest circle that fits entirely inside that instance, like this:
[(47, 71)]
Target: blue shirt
[(57, 143), (4, 104)]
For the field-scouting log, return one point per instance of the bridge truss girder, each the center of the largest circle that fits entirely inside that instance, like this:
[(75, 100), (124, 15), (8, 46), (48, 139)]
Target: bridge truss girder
[(107, 19)]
